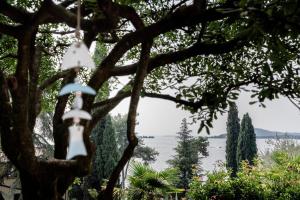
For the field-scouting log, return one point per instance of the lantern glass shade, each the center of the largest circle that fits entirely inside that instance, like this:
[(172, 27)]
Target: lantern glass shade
[(77, 114), (77, 55), (74, 87), (76, 144)]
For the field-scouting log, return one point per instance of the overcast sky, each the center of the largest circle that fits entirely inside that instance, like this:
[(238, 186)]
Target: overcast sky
[(161, 117)]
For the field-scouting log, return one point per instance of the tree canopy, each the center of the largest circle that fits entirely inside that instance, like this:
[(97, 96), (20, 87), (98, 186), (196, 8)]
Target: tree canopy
[(205, 52)]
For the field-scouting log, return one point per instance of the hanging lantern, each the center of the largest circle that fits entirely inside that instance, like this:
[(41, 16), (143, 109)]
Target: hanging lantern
[(76, 144), (81, 114), (77, 56), (73, 87)]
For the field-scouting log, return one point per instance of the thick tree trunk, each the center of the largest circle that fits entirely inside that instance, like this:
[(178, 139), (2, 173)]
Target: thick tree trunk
[(33, 189), (39, 187)]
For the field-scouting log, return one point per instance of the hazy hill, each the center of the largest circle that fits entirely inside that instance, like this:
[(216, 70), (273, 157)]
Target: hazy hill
[(262, 133)]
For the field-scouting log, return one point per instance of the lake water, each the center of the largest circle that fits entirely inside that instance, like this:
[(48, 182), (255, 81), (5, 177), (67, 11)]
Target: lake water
[(165, 146)]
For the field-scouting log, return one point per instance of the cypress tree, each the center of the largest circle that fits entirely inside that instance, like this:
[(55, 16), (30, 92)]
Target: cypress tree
[(246, 149), (233, 129), (184, 161), (94, 180), (106, 155), (187, 157), (109, 149)]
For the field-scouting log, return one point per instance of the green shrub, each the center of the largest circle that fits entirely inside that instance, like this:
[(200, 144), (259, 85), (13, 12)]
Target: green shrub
[(218, 186), (249, 183), (281, 181)]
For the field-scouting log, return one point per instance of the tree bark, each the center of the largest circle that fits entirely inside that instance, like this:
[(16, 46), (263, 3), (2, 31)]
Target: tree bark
[(38, 187)]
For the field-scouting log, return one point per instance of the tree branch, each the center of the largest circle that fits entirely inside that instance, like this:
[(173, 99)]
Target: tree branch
[(131, 121), (61, 167), (194, 105), (57, 32), (15, 14), (175, 6), (58, 14), (129, 13), (121, 95), (20, 103), (34, 94), (48, 82), (104, 107), (196, 49), (9, 30), (9, 55), (126, 12), (67, 3), (61, 15), (181, 17), (112, 39), (8, 142), (294, 103)]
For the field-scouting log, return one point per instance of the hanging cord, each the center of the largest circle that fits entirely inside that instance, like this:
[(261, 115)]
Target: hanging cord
[(77, 32)]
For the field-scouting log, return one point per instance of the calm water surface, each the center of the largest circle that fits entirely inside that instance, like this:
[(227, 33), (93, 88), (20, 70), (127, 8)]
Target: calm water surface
[(165, 146)]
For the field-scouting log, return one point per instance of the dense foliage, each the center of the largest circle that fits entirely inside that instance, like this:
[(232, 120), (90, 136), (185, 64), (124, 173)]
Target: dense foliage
[(98, 162), (109, 153), (189, 151), (281, 181), (233, 130), (148, 184), (246, 147)]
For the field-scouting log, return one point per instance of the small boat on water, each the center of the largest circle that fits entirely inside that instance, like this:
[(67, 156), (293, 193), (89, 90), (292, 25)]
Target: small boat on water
[(145, 136)]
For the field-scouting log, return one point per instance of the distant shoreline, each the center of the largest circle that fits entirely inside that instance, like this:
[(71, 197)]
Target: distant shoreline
[(266, 134), (261, 137), (260, 134)]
